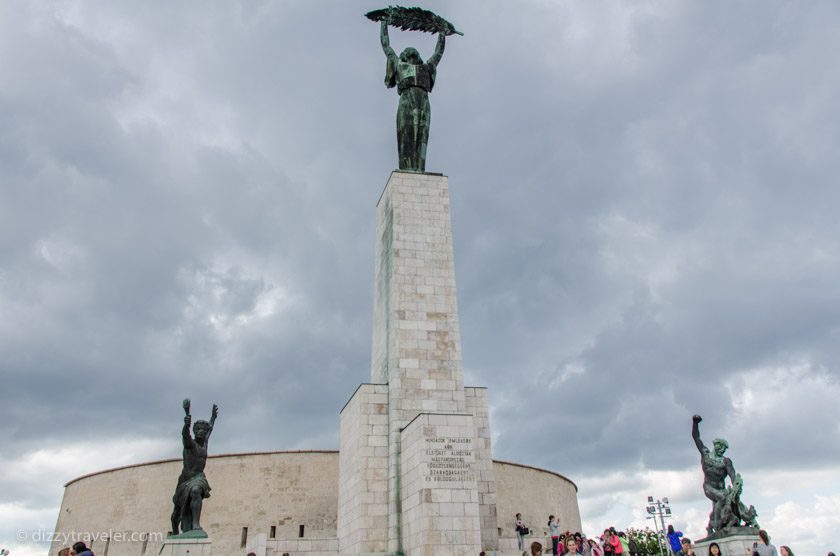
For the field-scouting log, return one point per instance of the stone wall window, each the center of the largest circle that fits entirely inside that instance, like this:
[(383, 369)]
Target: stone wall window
[(273, 533), (300, 531), (244, 540)]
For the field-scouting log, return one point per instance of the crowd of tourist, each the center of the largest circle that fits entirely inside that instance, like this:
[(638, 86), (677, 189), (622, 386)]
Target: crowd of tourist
[(617, 543), (610, 543)]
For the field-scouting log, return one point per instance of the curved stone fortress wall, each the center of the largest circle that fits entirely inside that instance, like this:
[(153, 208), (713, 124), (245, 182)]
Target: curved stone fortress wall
[(287, 492)]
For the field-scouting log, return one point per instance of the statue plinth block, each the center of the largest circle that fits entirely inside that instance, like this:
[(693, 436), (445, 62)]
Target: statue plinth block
[(174, 546), (194, 534), (737, 544), (439, 495)]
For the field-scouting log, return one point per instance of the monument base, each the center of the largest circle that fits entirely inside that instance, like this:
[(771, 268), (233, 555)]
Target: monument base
[(440, 498), (735, 545), (185, 547)]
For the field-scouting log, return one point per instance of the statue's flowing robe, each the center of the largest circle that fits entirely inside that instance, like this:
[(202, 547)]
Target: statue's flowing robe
[(414, 82)]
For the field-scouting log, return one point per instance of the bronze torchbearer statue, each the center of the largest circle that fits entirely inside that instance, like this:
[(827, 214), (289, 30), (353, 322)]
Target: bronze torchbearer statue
[(729, 515), (192, 487), (413, 78)]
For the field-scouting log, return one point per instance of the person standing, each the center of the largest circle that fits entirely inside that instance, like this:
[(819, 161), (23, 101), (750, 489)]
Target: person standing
[(674, 539), (764, 548), (521, 531), (625, 545), (786, 551), (618, 548), (580, 540), (686, 547), (585, 547), (554, 529), (609, 547)]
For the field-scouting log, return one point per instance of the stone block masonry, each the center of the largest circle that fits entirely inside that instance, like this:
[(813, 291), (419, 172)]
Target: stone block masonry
[(416, 338), (439, 491), (416, 357), (363, 472), (476, 399)]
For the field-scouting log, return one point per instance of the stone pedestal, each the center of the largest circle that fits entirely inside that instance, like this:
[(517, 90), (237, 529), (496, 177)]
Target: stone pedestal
[(736, 545), (185, 547), (416, 337), (439, 492), (416, 370)]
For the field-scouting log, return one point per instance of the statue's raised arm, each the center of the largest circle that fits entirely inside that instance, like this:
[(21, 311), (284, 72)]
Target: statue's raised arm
[(213, 414), (695, 434), (185, 432), (386, 41), (434, 60)]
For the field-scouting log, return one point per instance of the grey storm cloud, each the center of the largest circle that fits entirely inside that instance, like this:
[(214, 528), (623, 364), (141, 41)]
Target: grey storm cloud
[(644, 210)]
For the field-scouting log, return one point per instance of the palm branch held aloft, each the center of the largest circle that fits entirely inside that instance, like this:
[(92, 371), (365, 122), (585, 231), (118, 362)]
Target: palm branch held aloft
[(413, 78), (192, 486)]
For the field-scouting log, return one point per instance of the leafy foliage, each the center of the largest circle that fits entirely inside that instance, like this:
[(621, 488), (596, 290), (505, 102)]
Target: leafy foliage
[(646, 539), (413, 19)]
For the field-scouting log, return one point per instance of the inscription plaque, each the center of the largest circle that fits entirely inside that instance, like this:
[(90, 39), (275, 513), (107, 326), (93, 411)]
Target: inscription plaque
[(449, 459)]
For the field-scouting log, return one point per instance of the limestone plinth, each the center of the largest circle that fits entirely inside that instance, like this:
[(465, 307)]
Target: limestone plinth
[(439, 488), (735, 545), (186, 547)]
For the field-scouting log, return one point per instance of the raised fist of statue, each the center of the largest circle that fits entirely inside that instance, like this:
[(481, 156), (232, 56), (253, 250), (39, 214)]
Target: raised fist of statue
[(215, 412), (187, 406), (187, 419), (697, 418)]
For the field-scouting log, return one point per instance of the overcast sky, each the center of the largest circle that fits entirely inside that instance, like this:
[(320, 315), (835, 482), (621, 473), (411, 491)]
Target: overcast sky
[(645, 214)]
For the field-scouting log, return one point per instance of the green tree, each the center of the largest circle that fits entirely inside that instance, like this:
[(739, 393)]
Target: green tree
[(646, 539)]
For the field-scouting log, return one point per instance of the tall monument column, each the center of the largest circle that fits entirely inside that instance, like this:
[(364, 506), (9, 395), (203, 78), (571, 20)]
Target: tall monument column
[(427, 436), (416, 343), (415, 469)]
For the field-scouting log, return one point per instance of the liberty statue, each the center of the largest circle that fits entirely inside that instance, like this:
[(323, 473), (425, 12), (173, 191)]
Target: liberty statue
[(413, 78)]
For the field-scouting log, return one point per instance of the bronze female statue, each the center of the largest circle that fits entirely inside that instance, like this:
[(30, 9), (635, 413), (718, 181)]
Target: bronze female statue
[(413, 78)]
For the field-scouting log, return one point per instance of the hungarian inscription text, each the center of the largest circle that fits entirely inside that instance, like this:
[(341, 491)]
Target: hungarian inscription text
[(449, 459)]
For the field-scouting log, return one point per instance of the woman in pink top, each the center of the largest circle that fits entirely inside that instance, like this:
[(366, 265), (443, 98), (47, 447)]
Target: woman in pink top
[(615, 542)]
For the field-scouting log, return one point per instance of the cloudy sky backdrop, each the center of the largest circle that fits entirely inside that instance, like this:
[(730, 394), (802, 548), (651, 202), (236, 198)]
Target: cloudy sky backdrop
[(645, 211)]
